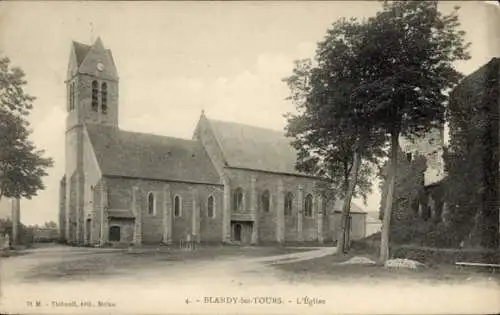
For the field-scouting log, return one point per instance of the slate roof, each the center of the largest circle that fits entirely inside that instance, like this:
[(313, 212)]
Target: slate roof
[(140, 155), (475, 80), (87, 57), (81, 50), (354, 207), (256, 148), (373, 218)]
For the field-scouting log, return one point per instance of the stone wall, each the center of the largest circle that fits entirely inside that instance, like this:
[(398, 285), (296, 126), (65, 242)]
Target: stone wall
[(291, 223), (431, 147), (319, 227), (211, 227), (97, 210), (296, 227), (126, 229), (62, 209), (70, 209), (83, 112), (207, 230), (91, 177)]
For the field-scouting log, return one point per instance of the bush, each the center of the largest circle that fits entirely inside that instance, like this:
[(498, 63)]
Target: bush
[(424, 233), (427, 254), (367, 246), (432, 256)]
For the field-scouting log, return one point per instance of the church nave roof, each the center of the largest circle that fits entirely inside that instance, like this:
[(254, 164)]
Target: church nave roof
[(140, 155)]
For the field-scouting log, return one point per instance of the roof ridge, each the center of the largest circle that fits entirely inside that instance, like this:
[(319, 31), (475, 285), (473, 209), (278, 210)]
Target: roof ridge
[(248, 125), (89, 52), (141, 133), (78, 43), (156, 135), (80, 51)]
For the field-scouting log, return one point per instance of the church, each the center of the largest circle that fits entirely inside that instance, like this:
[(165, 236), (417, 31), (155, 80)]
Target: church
[(230, 183)]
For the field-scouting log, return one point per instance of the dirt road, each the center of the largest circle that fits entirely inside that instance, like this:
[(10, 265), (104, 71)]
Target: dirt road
[(224, 285)]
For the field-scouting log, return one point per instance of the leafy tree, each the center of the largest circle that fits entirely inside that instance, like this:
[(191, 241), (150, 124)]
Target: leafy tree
[(6, 226), (407, 59), (387, 75), (21, 165), (332, 133), (25, 232)]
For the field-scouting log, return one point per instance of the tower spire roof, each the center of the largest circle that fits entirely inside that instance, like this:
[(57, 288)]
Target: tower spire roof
[(80, 51), (93, 60), (98, 44)]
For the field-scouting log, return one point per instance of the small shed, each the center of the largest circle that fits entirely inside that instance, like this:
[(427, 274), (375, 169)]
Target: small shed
[(373, 223), (357, 220)]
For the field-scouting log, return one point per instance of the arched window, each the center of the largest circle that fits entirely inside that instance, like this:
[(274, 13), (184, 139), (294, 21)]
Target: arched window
[(265, 200), (324, 208), (288, 203), (177, 206), (237, 200), (308, 205), (95, 92), (210, 207), (151, 203), (104, 98)]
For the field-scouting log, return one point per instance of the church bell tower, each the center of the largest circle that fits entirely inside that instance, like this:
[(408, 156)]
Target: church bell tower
[(92, 98), (92, 86)]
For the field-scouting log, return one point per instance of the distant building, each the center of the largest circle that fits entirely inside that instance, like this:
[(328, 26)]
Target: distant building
[(469, 100), (420, 164), (431, 147), (475, 106), (357, 220), (41, 234), (373, 223), (474, 127), (230, 183)]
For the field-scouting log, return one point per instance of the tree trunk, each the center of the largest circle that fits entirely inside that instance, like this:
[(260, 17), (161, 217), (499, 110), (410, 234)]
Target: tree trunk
[(384, 241), (344, 217), (16, 220)]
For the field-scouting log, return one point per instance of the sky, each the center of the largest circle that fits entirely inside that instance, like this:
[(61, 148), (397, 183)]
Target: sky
[(175, 59)]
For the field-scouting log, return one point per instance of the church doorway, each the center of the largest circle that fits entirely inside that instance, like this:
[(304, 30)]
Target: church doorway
[(241, 232), (114, 234), (237, 232)]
